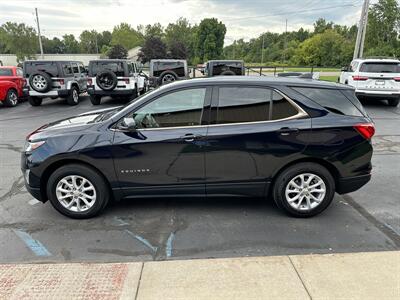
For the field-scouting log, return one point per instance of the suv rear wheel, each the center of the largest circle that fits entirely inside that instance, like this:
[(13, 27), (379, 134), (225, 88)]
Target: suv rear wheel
[(73, 97), (77, 191), (394, 102), (304, 190), (95, 99), (35, 101)]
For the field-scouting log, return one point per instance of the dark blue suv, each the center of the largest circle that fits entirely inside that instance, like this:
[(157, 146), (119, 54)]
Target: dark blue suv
[(297, 140)]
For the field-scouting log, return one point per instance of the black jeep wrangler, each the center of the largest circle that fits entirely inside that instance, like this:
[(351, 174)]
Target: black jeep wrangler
[(224, 68), (163, 71), (54, 79)]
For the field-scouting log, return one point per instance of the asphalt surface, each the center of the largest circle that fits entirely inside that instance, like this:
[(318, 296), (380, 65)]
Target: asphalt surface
[(156, 229)]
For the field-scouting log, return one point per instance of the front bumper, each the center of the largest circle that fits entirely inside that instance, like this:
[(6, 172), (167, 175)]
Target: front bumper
[(127, 92), (53, 93), (351, 184), (32, 182)]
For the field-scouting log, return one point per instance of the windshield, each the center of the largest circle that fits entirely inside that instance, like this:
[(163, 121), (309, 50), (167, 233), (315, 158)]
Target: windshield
[(375, 67)]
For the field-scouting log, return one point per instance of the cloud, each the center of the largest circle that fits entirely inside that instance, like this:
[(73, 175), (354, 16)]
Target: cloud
[(244, 19)]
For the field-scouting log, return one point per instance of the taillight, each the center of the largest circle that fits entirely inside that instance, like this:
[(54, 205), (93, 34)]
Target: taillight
[(396, 79), (89, 81), (126, 80), (367, 130), (61, 81), (360, 78)]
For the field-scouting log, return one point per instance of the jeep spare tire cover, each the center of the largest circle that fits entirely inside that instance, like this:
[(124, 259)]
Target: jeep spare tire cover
[(40, 82), (228, 73), (106, 80)]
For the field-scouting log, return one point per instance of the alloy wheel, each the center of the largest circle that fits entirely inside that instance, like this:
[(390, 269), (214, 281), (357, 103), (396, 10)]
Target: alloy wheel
[(13, 98), (39, 82), (76, 193), (305, 191), (168, 78)]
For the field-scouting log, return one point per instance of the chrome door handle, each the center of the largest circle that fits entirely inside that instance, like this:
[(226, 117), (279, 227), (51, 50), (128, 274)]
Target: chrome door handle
[(287, 130), (190, 137)]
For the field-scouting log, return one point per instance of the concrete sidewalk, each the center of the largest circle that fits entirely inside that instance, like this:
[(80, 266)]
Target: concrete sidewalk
[(374, 275)]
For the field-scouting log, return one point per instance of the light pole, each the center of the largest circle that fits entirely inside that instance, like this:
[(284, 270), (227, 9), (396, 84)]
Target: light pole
[(40, 37)]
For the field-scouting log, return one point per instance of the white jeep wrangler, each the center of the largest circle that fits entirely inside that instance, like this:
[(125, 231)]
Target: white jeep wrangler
[(115, 78), (374, 78)]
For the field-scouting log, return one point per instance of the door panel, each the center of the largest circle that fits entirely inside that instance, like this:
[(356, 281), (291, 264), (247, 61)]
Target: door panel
[(165, 155)]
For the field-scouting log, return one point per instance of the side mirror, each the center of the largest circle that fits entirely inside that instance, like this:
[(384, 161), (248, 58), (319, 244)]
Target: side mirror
[(344, 69), (127, 124)]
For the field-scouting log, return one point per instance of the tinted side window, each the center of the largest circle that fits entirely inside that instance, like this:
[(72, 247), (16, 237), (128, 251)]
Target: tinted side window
[(67, 69), (47, 67), (75, 68), (331, 99), (282, 108), (176, 109), (82, 69), (351, 95), (243, 104), (376, 67), (6, 72)]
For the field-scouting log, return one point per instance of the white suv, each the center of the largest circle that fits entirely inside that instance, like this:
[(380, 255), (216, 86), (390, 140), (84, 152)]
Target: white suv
[(116, 78), (374, 78)]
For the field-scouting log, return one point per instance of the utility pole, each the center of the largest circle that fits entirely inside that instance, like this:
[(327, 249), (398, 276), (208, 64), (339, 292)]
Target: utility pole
[(285, 44), (362, 28), (40, 37), (262, 50)]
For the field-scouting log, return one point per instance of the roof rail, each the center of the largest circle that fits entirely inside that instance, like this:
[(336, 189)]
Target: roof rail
[(379, 57)]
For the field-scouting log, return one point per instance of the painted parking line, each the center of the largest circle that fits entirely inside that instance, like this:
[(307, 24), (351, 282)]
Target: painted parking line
[(36, 246), (142, 240)]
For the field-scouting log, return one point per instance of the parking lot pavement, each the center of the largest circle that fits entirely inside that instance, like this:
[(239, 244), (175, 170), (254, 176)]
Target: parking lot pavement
[(368, 220)]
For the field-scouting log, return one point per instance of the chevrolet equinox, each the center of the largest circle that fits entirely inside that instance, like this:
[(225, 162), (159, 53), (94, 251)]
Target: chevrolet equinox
[(296, 140)]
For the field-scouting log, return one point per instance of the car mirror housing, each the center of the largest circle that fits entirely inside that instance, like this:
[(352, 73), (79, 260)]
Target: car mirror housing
[(344, 69), (127, 124)]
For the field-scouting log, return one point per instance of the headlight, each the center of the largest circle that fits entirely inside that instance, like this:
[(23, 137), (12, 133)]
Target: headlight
[(30, 146)]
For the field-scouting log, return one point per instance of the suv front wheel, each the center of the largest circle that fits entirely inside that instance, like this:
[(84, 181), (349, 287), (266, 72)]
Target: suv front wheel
[(73, 97), (304, 190)]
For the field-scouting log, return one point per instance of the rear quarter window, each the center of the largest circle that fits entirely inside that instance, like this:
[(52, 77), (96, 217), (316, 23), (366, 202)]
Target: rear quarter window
[(331, 99)]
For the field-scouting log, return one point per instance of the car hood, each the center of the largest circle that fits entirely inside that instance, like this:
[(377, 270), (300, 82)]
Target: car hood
[(71, 125)]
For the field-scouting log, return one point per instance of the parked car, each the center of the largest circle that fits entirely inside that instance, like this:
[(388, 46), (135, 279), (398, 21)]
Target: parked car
[(116, 78), (11, 85), (224, 68), (297, 140), (54, 79), (374, 78), (163, 71)]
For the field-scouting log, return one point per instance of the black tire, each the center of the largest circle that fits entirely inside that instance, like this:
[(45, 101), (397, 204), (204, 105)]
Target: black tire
[(107, 80), (35, 101), (96, 179), (290, 173), (167, 77), (11, 98), (44, 77), (73, 97), (95, 99), (394, 102), (228, 73)]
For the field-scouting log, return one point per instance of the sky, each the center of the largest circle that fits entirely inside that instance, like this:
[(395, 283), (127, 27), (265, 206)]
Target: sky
[(243, 18)]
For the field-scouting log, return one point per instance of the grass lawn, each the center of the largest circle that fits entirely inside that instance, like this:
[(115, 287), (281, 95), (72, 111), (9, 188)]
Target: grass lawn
[(329, 78)]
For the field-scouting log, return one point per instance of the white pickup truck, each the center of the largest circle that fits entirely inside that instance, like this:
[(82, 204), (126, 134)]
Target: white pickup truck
[(374, 78)]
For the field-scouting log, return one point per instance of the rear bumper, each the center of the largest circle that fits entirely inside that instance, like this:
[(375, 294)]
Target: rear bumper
[(127, 92), (378, 94), (54, 93), (351, 184)]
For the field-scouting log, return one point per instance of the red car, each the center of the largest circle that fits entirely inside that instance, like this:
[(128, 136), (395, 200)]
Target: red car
[(11, 85)]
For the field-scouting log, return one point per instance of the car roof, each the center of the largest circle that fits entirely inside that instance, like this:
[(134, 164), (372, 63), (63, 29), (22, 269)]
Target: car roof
[(167, 59), (109, 60), (225, 60), (377, 60), (52, 61), (261, 80)]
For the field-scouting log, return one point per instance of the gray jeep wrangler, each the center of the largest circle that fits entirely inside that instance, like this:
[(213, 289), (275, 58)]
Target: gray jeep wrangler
[(54, 79)]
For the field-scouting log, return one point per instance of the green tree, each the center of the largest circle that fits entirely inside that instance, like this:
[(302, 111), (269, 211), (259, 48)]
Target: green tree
[(210, 39), (53, 46), (117, 52), (71, 44), (155, 30), (321, 25), (324, 49), (19, 39), (153, 48), (123, 34), (88, 41), (104, 39), (383, 28), (180, 35)]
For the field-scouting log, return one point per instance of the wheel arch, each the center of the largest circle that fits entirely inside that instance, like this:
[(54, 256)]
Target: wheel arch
[(73, 84), (50, 169), (329, 166)]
